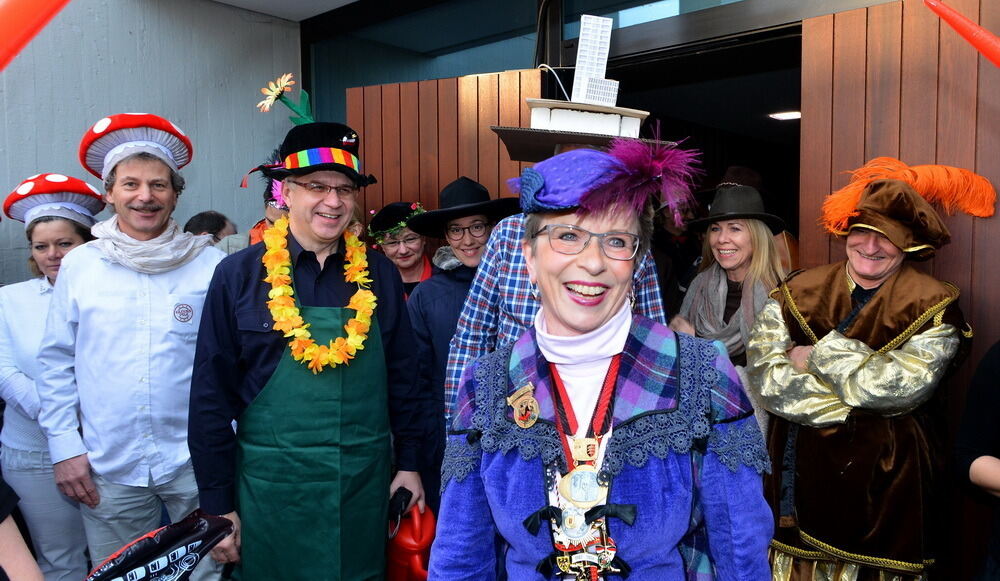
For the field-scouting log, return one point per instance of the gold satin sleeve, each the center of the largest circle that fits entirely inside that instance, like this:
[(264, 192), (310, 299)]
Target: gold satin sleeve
[(798, 396), (892, 383)]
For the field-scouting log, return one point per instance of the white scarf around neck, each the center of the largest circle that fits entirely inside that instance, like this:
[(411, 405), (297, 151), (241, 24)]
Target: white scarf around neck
[(166, 252)]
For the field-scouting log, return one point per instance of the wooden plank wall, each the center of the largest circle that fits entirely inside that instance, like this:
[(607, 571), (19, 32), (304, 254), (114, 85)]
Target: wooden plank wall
[(418, 137), (892, 80)]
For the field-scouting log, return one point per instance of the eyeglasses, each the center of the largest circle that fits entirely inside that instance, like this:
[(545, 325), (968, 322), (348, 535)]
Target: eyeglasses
[(274, 204), (566, 239), (477, 229), (318, 188), (410, 241)]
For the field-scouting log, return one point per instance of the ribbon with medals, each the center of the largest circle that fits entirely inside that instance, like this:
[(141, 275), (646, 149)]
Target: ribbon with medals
[(583, 546)]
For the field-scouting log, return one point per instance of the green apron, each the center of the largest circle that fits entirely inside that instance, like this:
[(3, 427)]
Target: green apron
[(314, 464)]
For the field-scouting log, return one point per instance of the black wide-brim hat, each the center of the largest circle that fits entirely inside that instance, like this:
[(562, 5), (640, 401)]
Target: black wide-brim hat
[(462, 197), (320, 146), (392, 218), (734, 202)]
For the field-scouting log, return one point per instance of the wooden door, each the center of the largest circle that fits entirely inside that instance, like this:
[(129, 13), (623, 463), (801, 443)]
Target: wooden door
[(417, 137)]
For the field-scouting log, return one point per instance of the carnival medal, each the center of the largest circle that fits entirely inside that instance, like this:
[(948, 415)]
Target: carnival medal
[(574, 524), (585, 449), (581, 487), (525, 406)]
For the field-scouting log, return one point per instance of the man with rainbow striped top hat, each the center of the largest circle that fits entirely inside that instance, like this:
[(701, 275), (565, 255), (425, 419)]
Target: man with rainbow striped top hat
[(307, 345)]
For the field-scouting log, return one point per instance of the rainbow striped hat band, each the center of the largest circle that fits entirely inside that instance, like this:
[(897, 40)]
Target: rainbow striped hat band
[(322, 155)]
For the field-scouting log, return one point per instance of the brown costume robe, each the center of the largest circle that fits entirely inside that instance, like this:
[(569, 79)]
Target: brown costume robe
[(866, 470)]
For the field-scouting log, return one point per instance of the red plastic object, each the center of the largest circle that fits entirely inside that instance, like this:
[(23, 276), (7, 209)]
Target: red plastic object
[(20, 21), (983, 40), (410, 550)]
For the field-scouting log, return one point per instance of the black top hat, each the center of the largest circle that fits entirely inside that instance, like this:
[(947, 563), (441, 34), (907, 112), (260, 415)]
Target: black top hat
[(320, 146), (733, 202), (462, 197), (392, 218)]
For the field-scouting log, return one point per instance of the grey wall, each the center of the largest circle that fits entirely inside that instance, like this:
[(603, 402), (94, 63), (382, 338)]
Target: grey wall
[(198, 63)]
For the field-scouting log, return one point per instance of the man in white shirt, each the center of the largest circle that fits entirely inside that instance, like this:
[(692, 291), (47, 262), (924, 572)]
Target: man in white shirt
[(120, 338)]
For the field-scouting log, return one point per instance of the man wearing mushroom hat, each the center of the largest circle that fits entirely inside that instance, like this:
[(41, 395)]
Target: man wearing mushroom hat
[(306, 343), (849, 358), (119, 342)]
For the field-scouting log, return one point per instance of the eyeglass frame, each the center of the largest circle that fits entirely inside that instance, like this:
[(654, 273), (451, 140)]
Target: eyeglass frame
[(342, 191), (590, 235), (408, 241), (274, 204), (463, 229)]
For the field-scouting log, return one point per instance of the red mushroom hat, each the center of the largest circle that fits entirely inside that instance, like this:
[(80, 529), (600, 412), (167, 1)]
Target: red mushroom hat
[(116, 137), (53, 194)]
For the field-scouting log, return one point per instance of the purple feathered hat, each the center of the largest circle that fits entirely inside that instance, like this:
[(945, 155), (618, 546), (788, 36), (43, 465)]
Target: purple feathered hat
[(628, 175)]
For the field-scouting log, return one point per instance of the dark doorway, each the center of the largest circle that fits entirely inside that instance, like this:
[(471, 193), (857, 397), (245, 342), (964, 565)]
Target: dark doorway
[(717, 97)]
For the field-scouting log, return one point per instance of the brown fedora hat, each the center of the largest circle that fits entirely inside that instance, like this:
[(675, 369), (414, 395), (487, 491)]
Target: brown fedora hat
[(733, 202)]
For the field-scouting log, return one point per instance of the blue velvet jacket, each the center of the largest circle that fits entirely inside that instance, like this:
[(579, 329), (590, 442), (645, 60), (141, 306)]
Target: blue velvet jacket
[(685, 451)]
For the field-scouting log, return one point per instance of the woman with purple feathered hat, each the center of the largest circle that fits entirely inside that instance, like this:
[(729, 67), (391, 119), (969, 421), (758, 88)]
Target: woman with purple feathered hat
[(601, 445)]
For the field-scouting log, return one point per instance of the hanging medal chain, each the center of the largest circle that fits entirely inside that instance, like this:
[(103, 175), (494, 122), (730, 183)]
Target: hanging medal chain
[(566, 422)]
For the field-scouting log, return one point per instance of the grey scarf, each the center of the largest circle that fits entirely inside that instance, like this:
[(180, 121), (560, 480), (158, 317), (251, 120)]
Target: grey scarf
[(166, 252), (705, 304)]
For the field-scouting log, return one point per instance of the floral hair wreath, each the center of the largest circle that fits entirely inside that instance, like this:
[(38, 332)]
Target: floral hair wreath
[(379, 236)]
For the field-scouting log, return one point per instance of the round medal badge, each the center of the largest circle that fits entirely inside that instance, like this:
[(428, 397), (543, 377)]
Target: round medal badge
[(580, 487)]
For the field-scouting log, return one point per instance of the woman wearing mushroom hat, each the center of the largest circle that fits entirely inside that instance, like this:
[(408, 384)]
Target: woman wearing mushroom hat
[(740, 265), (849, 358), (590, 447), (58, 212)]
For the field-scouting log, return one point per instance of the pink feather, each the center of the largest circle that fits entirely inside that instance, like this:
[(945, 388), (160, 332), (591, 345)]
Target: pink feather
[(649, 172)]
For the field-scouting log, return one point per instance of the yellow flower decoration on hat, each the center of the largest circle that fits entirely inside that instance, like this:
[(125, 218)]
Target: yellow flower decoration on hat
[(274, 90), (287, 319)]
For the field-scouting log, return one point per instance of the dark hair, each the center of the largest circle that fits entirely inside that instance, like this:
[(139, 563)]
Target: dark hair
[(208, 221), (80, 229), (176, 179)]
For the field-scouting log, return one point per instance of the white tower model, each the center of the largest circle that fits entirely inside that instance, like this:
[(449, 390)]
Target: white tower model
[(589, 84)]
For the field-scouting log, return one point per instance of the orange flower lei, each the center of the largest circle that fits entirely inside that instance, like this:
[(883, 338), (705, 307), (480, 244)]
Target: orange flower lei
[(278, 262)]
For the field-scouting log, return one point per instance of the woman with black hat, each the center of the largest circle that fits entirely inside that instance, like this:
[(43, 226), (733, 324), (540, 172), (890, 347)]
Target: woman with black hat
[(465, 218), (390, 230), (739, 266)]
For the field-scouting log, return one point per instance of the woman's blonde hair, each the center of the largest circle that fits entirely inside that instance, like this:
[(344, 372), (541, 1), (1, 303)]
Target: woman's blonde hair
[(765, 264)]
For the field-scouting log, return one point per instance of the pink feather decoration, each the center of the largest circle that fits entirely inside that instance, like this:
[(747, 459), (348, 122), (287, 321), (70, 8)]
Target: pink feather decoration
[(649, 172)]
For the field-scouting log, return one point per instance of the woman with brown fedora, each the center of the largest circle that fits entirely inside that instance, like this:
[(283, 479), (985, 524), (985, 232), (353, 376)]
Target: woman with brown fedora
[(740, 265), (465, 218)]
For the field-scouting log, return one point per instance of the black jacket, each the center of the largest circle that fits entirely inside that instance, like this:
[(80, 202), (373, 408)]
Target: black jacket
[(434, 308)]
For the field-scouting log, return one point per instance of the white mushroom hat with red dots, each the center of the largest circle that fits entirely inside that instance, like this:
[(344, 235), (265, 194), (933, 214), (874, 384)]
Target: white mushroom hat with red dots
[(116, 137), (54, 194)]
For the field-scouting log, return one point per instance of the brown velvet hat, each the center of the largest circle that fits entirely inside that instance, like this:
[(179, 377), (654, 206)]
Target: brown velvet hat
[(895, 210)]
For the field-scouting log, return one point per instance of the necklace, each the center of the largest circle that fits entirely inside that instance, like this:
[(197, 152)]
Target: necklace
[(278, 263), (581, 485), (584, 547)]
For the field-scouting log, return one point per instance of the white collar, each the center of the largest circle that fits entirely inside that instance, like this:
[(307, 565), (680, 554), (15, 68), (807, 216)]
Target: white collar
[(601, 343), (44, 286)]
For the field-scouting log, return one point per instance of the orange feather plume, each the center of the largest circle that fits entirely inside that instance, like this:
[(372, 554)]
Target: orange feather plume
[(948, 187)]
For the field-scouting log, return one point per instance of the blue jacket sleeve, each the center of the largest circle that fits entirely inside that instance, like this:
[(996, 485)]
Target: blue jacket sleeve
[(737, 517), (214, 399), (466, 544)]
